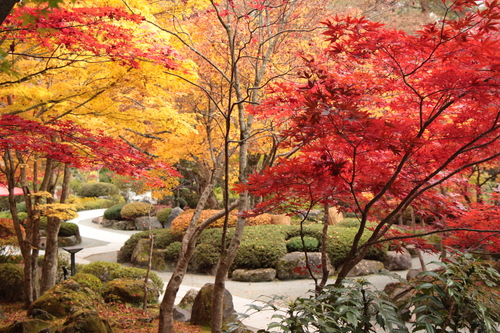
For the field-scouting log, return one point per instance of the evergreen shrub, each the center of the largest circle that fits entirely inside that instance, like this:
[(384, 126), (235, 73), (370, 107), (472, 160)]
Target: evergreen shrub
[(114, 212), (172, 251), (101, 269), (68, 229), (97, 189), (135, 273), (163, 214), (11, 288), (136, 209), (294, 244), (88, 280), (163, 237)]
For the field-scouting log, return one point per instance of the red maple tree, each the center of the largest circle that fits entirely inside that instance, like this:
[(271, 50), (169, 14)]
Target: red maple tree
[(383, 120)]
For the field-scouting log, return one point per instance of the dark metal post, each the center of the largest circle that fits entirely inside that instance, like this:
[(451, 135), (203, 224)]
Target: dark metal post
[(73, 251)]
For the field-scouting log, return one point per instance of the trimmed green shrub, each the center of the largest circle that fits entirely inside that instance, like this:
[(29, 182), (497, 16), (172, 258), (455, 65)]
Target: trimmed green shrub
[(88, 280), (172, 251), (294, 244), (135, 273), (205, 256), (114, 212), (350, 222), (339, 241), (91, 203), (101, 269), (22, 216), (21, 207), (163, 214), (94, 189), (311, 230), (11, 288), (135, 209), (68, 229), (163, 237)]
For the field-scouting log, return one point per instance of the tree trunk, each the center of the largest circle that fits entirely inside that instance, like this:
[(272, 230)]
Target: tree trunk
[(6, 7)]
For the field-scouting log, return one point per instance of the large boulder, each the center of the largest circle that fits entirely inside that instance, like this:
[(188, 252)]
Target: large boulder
[(66, 298), (67, 241), (182, 315), (129, 291), (254, 275), (125, 225), (142, 223), (293, 266), (201, 313), (366, 267), (188, 300), (140, 255), (176, 211), (397, 261), (85, 321)]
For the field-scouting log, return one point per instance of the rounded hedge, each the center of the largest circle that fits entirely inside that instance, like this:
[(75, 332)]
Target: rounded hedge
[(114, 212), (101, 269), (310, 244), (172, 251), (69, 229), (136, 209), (94, 189), (163, 237), (11, 288), (163, 214), (135, 273)]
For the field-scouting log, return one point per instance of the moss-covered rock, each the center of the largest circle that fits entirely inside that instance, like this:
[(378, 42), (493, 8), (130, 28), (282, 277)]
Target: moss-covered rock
[(26, 326), (66, 298), (129, 291), (88, 280), (85, 321)]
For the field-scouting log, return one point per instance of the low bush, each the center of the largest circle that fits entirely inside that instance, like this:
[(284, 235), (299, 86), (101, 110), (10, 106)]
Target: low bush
[(350, 222), (68, 229), (135, 209), (101, 269), (163, 237), (339, 241), (114, 212), (205, 256), (172, 251), (182, 221), (11, 288), (94, 189), (90, 203), (88, 280), (163, 214), (136, 274), (310, 244)]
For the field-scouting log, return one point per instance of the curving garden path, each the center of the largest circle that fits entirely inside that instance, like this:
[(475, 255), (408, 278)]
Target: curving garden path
[(103, 244)]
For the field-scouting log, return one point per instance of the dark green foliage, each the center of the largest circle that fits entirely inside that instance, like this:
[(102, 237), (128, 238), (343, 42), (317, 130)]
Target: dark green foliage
[(94, 189), (172, 251), (101, 269), (11, 286), (68, 229), (339, 242), (163, 237), (43, 222), (21, 207), (312, 230), (137, 209), (461, 297), (163, 214), (114, 212), (261, 247), (136, 274), (205, 256), (295, 244), (353, 306), (88, 280)]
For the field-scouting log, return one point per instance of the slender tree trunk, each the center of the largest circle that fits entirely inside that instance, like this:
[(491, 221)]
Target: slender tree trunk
[(419, 253), (150, 258)]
